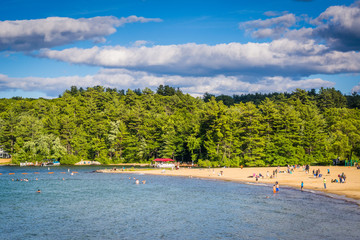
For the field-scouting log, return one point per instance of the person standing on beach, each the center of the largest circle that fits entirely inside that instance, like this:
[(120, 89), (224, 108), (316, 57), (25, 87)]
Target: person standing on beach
[(302, 185), (324, 183), (277, 187)]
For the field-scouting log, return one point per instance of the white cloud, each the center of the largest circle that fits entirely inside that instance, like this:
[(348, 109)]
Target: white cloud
[(272, 27), (286, 20), (302, 34), (236, 85), (281, 57), (339, 25), (232, 68), (196, 86), (274, 13), (356, 89), (25, 35), (140, 43)]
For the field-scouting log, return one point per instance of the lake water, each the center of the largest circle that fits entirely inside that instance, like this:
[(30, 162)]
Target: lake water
[(92, 205)]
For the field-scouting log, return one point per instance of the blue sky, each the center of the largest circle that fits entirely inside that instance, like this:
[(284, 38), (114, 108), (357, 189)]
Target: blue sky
[(220, 47)]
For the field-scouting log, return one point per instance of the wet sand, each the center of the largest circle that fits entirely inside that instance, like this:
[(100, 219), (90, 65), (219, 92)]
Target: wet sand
[(349, 189)]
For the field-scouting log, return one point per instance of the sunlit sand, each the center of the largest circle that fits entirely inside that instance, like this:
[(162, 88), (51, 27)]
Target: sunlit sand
[(350, 189)]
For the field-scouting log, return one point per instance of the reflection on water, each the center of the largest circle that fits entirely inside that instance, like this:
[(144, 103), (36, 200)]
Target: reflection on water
[(90, 205)]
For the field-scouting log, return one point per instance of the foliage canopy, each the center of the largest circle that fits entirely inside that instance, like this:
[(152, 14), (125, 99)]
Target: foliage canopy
[(114, 126)]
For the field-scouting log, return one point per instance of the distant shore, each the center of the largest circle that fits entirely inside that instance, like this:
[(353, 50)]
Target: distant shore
[(349, 189)]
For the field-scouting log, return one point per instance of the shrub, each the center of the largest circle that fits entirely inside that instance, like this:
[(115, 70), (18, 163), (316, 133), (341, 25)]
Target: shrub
[(69, 159), (205, 163)]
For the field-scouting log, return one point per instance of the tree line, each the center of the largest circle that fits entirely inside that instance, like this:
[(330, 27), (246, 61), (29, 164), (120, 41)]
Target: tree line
[(117, 126)]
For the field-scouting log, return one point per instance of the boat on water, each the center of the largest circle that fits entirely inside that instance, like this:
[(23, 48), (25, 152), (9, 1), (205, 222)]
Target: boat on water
[(50, 162), (55, 163)]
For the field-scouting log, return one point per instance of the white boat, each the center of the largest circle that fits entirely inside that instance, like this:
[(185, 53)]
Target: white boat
[(52, 162)]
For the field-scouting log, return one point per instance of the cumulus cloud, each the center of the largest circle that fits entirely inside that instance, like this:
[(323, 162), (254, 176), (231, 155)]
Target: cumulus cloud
[(196, 86), (272, 27), (284, 64), (302, 34), (239, 85), (339, 25), (26, 35), (286, 20), (281, 57), (140, 43), (356, 89), (274, 13)]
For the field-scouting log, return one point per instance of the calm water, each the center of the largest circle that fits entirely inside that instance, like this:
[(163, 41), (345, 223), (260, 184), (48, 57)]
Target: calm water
[(91, 205)]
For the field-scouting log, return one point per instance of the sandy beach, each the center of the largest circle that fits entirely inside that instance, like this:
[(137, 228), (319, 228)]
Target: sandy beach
[(349, 189), (4, 161)]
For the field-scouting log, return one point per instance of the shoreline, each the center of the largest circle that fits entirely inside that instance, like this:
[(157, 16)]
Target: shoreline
[(5, 161), (350, 190)]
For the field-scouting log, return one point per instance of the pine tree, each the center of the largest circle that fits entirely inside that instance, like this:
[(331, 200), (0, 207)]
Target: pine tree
[(253, 135)]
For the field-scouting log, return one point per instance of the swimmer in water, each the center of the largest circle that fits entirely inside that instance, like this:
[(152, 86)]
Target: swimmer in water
[(38, 191), (137, 181), (144, 181)]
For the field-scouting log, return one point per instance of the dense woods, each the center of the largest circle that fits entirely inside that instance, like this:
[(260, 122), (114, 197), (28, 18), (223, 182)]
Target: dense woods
[(114, 126)]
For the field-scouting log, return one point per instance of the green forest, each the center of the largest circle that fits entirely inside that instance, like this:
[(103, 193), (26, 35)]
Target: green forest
[(137, 126)]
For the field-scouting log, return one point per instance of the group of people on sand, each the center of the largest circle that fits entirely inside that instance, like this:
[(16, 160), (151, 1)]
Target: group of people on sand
[(317, 173), (274, 175), (291, 168), (342, 178), (257, 176)]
